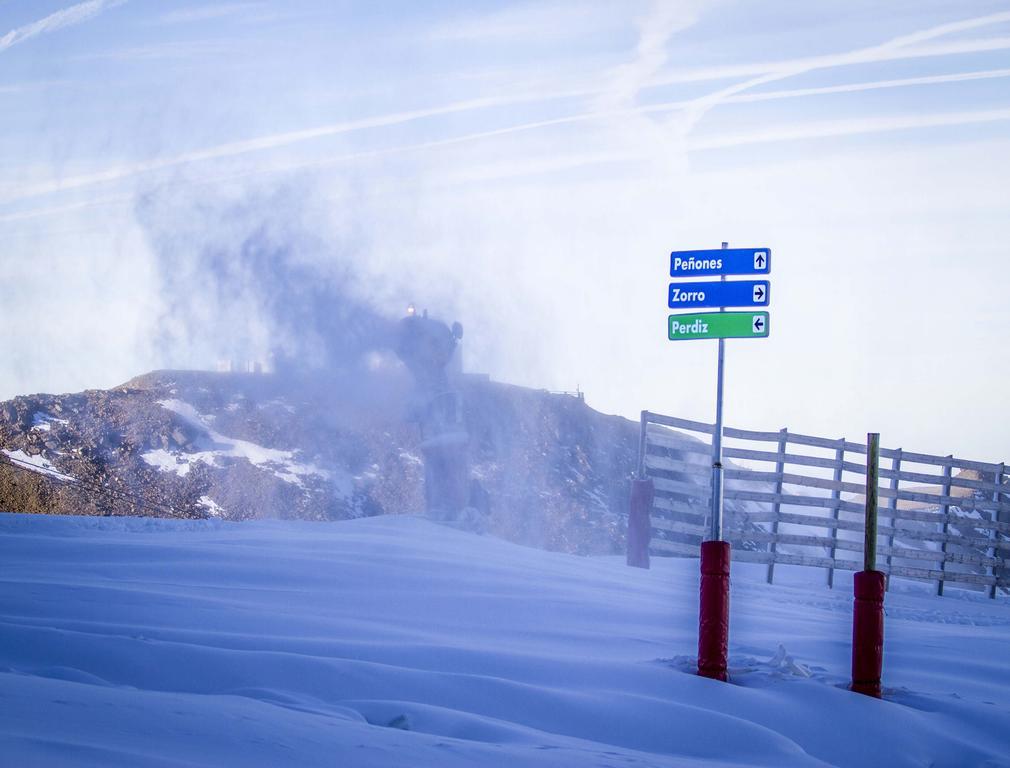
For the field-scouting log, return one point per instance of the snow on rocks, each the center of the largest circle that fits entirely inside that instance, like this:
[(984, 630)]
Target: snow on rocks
[(43, 422), (213, 508), (36, 464), (168, 461), (217, 446)]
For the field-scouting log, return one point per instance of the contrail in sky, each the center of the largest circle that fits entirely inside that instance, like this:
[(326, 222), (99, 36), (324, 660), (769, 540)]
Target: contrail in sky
[(287, 138), (68, 17), (880, 52), (812, 130), (753, 69), (899, 47), (850, 128)]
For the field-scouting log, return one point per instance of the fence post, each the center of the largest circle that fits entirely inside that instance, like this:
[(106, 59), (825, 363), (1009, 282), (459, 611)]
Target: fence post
[(836, 495), (993, 534), (892, 504), (641, 445), (643, 492), (780, 466), (868, 589), (945, 526)]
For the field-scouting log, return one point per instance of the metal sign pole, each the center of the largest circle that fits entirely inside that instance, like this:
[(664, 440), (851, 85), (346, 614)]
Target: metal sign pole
[(715, 531), (870, 526), (713, 614)]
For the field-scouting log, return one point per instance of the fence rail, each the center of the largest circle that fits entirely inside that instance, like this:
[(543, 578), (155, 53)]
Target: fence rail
[(795, 499)]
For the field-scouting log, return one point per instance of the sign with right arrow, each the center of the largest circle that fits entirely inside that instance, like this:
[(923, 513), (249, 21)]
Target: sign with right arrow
[(739, 293)]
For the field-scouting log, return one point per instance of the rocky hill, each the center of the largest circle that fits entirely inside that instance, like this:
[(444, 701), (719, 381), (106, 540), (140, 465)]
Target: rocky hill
[(547, 469)]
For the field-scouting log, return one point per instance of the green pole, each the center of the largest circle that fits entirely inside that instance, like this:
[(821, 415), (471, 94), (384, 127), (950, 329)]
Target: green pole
[(872, 466)]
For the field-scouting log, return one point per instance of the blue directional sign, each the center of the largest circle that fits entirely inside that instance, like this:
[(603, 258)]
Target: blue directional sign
[(724, 261), (740, 293)]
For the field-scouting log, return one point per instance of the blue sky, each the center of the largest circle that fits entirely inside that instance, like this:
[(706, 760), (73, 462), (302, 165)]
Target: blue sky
[(527, 168)]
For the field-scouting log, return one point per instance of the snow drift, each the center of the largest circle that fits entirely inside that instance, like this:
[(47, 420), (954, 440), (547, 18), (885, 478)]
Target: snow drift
[(395, 641)]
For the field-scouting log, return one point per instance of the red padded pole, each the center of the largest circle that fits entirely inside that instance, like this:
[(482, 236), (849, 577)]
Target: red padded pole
[(713, 623), (643, 492), (867, 632)]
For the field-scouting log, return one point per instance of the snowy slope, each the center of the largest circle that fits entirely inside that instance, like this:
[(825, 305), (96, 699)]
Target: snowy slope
[(393, 641)]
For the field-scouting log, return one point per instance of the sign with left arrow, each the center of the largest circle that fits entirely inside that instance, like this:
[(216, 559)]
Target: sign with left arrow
[(718, 325)]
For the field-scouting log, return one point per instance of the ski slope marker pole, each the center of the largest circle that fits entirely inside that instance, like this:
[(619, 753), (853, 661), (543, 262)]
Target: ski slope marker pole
[(868, 588)]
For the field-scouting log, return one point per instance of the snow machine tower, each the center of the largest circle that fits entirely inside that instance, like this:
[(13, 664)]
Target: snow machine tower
[(428, 347)]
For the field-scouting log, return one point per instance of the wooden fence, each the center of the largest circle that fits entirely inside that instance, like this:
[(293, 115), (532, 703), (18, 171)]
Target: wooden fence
[(792, 499)]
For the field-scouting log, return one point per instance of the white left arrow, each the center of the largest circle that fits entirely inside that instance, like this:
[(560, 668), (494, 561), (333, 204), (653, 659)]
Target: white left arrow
[(759, 323)]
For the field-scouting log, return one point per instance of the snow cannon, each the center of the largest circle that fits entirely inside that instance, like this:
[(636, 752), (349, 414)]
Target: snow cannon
[(428, 347)]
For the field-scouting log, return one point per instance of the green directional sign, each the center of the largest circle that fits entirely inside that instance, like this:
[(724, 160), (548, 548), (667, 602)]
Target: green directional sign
[(719, 325)]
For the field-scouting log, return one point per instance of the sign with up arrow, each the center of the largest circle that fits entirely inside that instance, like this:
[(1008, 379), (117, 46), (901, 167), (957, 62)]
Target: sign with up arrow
[(723, 261)]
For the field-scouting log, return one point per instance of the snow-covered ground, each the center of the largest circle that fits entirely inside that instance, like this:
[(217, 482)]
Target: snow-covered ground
[(397, 642)]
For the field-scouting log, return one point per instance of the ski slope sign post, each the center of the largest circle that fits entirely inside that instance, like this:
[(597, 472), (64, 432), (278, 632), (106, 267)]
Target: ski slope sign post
[(689, 293)]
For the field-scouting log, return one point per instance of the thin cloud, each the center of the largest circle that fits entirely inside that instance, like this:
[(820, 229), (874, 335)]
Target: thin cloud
[(207, 12), (531, 21), (176, 49), (232, 149), (792, 132), (695, 109), (881, 52), (67, 17), (285, 139), (742, 98), (35, 85), (753, 69), (812, 130), (833, 128), (91, 202), (656, 28), (958, 77)]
